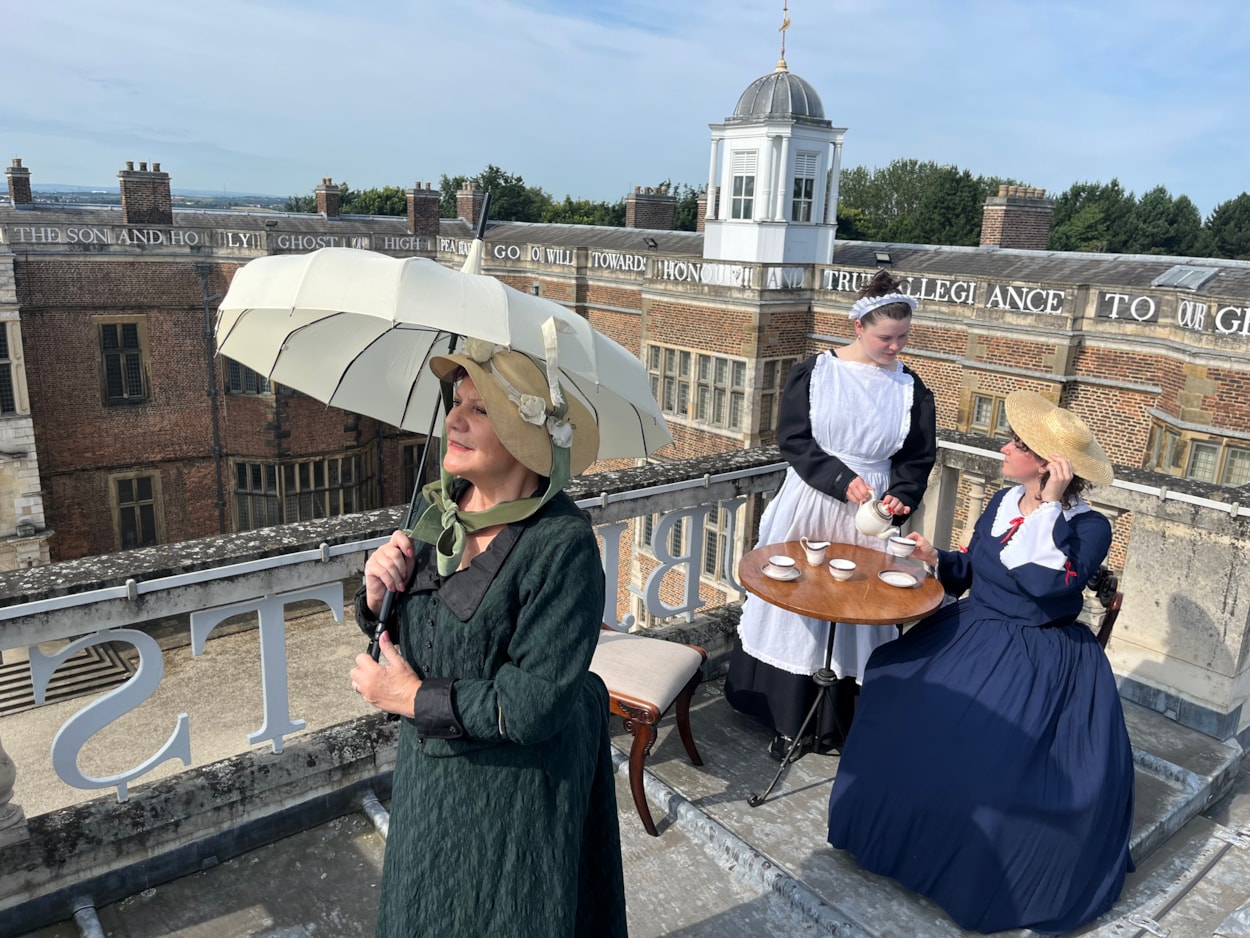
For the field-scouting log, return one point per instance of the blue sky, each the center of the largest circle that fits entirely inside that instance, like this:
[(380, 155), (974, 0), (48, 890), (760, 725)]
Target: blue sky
[(593, 97)]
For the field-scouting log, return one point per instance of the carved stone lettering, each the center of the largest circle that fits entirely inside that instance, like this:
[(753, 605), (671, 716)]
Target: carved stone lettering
[(1137, 307)]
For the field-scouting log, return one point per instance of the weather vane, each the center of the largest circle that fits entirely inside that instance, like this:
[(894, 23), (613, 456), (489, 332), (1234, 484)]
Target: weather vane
[(785, 24)]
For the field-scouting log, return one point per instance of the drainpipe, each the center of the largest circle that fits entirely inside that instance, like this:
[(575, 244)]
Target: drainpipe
[(86, 919), (204, 270)]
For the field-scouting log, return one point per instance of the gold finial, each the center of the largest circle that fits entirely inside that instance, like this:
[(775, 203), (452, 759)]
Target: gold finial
[(785, 24)]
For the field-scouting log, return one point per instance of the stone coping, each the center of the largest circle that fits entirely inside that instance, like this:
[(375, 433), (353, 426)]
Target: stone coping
[(963, 451)]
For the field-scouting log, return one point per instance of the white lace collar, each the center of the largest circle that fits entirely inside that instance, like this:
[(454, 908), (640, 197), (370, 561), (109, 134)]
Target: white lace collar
[(1009, 510)]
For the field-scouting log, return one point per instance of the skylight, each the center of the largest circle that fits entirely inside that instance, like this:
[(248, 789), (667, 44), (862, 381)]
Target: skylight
[(1184, 277)]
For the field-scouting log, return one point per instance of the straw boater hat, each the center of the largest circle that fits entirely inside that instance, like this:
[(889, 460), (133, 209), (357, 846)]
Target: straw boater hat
[(1048, 429), (518, 404)]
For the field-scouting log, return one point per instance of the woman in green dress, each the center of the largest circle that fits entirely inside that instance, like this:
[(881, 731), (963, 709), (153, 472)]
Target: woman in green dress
[(503, 807)]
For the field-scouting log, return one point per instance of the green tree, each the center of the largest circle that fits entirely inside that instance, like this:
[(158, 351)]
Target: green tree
[(852, 225), (389, 200), (1092, 217), (510, 198), (1189, 237), (948, 212), (686, 212), (1229, 228), (884, 195), (301, 203), (1150, 226), (585, 212), (448, 186), (1163, 225)]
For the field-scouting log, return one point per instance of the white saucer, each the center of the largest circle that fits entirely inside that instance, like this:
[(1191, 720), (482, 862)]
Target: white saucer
[(900, 578), (792, 574)]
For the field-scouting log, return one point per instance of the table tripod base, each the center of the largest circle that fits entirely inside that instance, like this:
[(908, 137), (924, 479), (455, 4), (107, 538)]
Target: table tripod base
[(825, 679)]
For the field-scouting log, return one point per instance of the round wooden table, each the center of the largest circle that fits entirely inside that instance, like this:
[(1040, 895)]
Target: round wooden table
[(864, 599)]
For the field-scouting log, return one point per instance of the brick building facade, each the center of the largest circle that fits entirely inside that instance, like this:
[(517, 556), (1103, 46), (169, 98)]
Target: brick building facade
[(126, 429)]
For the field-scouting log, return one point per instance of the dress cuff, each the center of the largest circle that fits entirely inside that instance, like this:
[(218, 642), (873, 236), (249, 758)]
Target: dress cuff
[(365, 619), (433, 713)]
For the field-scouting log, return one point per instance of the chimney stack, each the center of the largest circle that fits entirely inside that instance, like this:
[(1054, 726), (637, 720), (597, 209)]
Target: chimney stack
[(469, 201), (19, 185), (423, 210), (701, 212), (329, 197), (650, 208), (145, 195), (1018, 217)]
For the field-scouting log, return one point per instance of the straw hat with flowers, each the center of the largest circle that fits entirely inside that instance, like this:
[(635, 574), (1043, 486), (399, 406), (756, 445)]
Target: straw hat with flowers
[(546, 429)]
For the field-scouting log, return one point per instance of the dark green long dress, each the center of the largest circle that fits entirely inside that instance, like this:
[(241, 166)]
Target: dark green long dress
[(503, 810)]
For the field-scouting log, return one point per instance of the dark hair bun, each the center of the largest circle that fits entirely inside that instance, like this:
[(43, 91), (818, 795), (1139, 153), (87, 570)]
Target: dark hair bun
[(881, 284)]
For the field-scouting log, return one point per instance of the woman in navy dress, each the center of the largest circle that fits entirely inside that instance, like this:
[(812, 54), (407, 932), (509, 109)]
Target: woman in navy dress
[(989, 767)]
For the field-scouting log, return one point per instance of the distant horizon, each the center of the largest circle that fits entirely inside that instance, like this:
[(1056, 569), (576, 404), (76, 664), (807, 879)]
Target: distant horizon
[(53, 187)]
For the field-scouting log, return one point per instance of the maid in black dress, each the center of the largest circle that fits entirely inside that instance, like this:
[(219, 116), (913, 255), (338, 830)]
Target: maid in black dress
[(988, 766), (854, 422)]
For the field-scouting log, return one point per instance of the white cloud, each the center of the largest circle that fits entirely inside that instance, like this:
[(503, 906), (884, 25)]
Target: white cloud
[(591, 97)]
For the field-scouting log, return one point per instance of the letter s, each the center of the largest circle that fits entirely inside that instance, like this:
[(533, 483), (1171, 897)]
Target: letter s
[(98, 714)]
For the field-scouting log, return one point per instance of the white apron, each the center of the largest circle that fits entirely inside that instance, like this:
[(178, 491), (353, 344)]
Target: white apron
[(861, 414)]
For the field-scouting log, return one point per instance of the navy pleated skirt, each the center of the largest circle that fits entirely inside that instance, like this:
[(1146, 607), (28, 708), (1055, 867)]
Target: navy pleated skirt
[(989, 769)]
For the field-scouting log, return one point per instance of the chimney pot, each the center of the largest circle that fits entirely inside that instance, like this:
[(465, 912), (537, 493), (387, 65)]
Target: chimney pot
[(156, 167), (145, 198), (18, 178), (427, 186)]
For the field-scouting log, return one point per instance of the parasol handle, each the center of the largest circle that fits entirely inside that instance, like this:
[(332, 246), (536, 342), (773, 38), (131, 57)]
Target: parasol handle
[(375, 643), (388, 600)]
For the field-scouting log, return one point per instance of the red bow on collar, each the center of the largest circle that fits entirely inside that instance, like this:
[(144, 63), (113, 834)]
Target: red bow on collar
[(1012, 529), (1069, 572)]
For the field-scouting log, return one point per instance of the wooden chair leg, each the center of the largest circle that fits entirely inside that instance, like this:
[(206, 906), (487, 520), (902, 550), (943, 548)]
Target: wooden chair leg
[(644, 738), (682, 712)]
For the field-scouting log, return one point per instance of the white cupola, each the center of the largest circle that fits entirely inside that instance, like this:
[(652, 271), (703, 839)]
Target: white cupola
[(770, 161)]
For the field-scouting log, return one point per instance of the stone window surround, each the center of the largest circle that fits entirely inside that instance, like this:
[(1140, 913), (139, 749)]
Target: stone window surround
[(144, 351), (282, 480), (237, 377), (115, 505), (1174, 448), (11, 363), (995, 426)]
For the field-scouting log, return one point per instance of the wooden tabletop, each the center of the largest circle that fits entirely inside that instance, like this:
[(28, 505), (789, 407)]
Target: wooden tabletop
[(863, 599)]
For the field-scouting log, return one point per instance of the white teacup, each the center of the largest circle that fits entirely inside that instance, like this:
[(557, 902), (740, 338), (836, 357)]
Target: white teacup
[(815, 551), (841, 569), (898, 546), (779, 565)]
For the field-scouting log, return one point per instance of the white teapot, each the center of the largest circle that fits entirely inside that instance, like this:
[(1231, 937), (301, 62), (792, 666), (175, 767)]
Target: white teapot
[(874, 519)]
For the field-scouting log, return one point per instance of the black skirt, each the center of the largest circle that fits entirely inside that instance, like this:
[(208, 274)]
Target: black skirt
[(781, 701)]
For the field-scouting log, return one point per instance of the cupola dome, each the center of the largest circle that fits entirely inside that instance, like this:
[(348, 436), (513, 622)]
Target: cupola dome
[(779, 95)]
